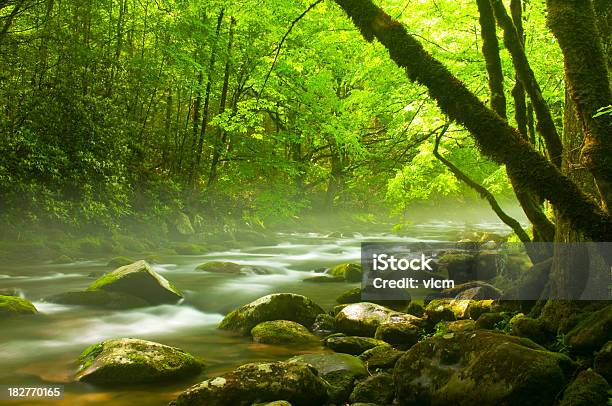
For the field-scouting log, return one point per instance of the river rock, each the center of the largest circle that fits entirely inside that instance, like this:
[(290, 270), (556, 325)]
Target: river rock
[(480, 367), (592, 332), (98, 298), (381, 357), (294, 382), (446, 310), (459, 265), (475, 290), (588, 389), (534, 329), (138, 279), (350, 296), (11, 306), (10, 292), (352, 345), (488, 321), (476, 308), (361, 319), (131, 361), (231, 268), (278, 306), (400, 330), (603, 362), (350, 272), (339, 370), (377, 389), (282, 332)]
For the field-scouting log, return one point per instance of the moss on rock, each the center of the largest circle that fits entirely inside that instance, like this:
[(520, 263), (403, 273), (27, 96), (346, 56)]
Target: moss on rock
[(282, 332), (138, 279), (361, 318), (400, 330), (592, 332), (131, 361), (292, 381), (350, 272), (117, 262), (377, 389), (588, 389), (11, 306), (480, 367), (603, 362), (98, 298), (352, 345), (339, 370), (278, 306)]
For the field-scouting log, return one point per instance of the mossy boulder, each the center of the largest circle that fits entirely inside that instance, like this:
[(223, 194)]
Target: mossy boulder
[(400, 330), (474, 290), (446, 310), (295, 382), (592, 332), (231, 268), (131, 361), (415, 309), (377, 389), (352, 345), (138, 279), (12, 306), (282, 332), (458, 326), (603, 362), (480, 367), (119, 262), (534, 329), (588, 389), (350, 272), (98, 298), (382, 357), (278, 306), (188, 249), (361, 319), (339, 370), (488, 321), (476, 308)]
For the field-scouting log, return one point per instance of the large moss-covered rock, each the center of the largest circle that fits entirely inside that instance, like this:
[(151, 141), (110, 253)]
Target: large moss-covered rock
[(130, 361), (231, 268), (295, 382), (480, 367), (377, 389), (382, 357), (534, 329), (11, 306), (588, 389), (458, 265), (446, 310), (603, 362), (350, 272), (138, 279), (282, 332), (352, 345), (339, 370), (592, 332), (98, 298), (278, 306), (400, 330), (361, 319), (324, 325), (488, 321)]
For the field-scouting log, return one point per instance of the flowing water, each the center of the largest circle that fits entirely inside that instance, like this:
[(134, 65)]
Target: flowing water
[(41, 350)]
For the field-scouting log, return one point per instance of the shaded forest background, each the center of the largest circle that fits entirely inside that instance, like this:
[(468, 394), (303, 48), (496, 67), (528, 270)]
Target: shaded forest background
[(128, 114)]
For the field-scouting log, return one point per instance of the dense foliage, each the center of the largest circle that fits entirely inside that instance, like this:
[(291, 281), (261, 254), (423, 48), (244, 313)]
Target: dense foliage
[(120, 109)]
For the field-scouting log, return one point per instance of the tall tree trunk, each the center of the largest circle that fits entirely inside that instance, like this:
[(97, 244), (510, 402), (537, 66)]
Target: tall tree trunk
[(494, 136), (222, 105), (574, 24)]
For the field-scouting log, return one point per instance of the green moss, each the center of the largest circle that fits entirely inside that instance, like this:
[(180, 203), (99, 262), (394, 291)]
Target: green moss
[(350, 272), (88, 356), (14, 306), (188, 249), (282, 332), (220, 267)]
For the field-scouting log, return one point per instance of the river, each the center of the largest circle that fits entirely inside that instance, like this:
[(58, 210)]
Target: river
[(42, 350)]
